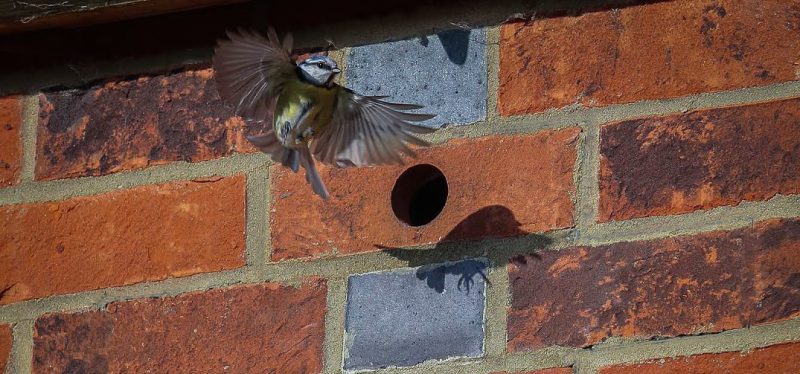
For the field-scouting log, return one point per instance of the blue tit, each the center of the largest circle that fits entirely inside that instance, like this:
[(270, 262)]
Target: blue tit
[(310, 114)]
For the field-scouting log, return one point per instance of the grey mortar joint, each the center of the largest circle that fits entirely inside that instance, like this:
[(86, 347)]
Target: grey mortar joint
[(61, 189), (257, 234), (628, 350), (30, 120), (492, 71), (576, 115), (497, 249), (498, 298), (22, 348), (588, 118), (586, 177), (333, 348)]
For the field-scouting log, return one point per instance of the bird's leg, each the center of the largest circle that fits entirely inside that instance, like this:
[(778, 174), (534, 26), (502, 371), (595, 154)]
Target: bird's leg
[(291, 125), (302, 130), (465, 280), (286, 128)]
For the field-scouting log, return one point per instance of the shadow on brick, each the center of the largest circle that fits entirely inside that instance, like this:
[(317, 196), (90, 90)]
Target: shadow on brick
[(491, 221)]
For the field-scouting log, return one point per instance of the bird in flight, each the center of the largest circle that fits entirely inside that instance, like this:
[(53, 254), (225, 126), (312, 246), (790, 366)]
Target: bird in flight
[(310, 113)]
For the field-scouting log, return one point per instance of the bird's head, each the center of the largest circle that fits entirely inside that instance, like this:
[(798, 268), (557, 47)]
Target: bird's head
[(319, 70)]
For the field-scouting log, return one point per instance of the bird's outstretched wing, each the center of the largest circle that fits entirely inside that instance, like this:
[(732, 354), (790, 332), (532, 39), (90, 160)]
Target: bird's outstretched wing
[(250, 71), (366, 130)]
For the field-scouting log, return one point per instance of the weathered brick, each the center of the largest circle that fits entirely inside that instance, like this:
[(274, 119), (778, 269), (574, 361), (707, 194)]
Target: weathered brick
[(133, 123), (10, 140), (652, 51), (408, 316), (445, 72), (700, 160), (708, 282), (266, 328), (6, 340), (530, 179), (119, 238), (775, 359)]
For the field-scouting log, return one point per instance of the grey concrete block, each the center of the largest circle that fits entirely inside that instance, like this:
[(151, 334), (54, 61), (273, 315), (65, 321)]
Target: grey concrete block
[(445, 72), (408, 316)]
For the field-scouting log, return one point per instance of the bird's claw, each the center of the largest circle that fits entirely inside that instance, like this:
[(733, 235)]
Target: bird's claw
[(465, 280)]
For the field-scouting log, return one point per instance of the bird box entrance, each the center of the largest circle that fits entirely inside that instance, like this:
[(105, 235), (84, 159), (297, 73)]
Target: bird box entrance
[(419, 195)]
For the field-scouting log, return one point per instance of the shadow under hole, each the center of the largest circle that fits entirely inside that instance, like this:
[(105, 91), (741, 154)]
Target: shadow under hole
[(419, 195)]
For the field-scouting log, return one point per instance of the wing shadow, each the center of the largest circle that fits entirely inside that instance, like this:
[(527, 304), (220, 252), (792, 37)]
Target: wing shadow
[(492, 221)]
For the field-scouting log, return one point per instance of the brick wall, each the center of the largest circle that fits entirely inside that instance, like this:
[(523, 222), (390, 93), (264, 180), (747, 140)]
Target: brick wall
[(623, 195)]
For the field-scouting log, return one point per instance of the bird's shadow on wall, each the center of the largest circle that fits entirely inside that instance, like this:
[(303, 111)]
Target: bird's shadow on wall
[(494, 221), (455, 43)]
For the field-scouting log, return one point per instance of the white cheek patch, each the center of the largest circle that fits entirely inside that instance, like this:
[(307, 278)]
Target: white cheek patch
[(315, 75)]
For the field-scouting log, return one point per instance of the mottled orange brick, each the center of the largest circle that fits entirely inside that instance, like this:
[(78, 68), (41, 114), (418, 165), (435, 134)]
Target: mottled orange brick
[(122, 237), (10, 140), (133, 123), (777, 359), (674, 286), (6, 340), (267, 328), (651, 51), (700, 160), (498, 186)]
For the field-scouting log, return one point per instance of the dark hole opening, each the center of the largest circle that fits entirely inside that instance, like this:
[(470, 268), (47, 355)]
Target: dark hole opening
[(419, 195)]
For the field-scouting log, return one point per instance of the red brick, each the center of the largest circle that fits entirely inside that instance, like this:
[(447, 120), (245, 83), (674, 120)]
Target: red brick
[(132, 123), (686, 162), (674, 286), (266, 328), (498, 186), (544, 371), (10, 140), (6, 340), (776, 359), (119, 238), (652, 51)]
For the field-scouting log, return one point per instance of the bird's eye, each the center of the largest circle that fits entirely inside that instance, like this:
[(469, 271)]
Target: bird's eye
[(320, 65)]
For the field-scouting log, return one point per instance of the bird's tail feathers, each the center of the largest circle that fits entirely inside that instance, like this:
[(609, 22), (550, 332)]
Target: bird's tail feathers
[(312, 176), (269, 144), (291, 158)]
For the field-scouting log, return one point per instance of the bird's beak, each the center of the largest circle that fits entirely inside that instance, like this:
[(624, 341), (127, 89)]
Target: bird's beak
[(336, 70)]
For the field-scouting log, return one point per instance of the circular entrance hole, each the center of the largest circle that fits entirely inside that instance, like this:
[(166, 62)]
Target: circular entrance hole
[(419, 195)]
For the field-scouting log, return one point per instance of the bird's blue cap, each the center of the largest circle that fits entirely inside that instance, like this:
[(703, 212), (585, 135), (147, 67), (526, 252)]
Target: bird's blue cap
[(319, 58)]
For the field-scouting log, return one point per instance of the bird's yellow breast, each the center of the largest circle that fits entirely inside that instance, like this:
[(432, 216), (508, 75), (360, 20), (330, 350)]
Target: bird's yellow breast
[(302, 110)]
